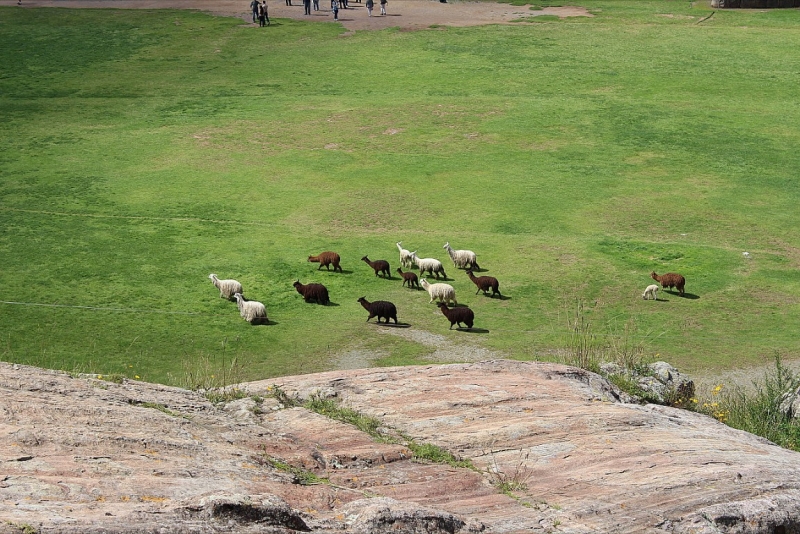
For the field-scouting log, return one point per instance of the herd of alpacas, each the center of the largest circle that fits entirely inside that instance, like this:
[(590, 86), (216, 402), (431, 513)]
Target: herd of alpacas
[(255, 312)]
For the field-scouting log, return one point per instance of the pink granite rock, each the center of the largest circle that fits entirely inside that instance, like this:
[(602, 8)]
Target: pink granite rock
[(90, 456)]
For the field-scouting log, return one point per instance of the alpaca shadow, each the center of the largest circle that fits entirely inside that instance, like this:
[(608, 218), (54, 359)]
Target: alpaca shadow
[(690, 296), (343, 271), (498, 297), (394, 325), (268, 322), (473, 330)]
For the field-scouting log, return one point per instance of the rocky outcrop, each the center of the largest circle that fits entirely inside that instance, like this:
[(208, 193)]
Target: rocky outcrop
[(659, 381), (552, 448)]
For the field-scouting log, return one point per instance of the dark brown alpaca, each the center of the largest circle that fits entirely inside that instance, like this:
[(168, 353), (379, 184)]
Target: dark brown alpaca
[(485, 283), (410, 278)]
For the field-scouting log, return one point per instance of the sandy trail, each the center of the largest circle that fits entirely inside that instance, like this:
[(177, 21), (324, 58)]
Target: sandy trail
[(405, 14)]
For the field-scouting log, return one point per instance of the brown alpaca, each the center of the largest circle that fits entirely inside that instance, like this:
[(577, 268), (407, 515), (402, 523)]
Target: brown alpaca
[(670, 280), (458, 315), (411, 278), (379, 266), (325, 259), (485, 283), (311, 292)]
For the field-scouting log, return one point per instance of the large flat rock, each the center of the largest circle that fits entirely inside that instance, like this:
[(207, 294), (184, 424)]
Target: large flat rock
[(86, 455)]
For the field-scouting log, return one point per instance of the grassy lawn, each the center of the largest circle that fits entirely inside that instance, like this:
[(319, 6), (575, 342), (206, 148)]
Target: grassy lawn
[(143, 150)]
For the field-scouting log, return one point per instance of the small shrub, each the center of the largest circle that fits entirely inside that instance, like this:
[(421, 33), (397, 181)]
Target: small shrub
[(758, 410), (303, 477), (511, 480), (330, 408), (435, 454), (215, 382)]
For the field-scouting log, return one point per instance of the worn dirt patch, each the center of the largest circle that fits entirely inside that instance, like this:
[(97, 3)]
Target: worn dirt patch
[(404, 14)]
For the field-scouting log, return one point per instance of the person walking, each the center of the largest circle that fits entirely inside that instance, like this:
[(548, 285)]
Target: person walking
[(335, 9), (306, 7), (383, 7), (369, 5), (288, 2), (266, 13), (254, 8), (316, 5)]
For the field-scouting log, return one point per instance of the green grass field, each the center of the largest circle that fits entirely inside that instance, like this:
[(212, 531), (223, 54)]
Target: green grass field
[(143, 150)]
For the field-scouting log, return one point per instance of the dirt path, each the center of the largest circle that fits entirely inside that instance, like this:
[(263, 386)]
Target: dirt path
[(405, 14)]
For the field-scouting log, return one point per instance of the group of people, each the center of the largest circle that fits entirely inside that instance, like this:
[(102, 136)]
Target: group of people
[(260, 12), (370, 4)]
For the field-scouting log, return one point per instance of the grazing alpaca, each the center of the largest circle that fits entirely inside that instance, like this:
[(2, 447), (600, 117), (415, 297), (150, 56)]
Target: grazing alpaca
[(379, 266), (485, 283), (251, 311), (462, 258), (408, 277), (379, 308), (650, 291), (458, 315), (325, 259), (227, 288), (670, 280), (311, 292)]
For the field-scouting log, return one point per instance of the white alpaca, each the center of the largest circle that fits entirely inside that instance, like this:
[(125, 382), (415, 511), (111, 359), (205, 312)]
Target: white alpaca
[(442, 292), (433, 266), (650, 291), (227, 288), (462, 258), (405, 255), (251, 311)]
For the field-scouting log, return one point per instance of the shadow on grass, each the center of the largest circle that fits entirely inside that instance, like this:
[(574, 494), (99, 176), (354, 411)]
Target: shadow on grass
[(473, 330), (268, 322), (690, 296), (394, 325), (498, 297)]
